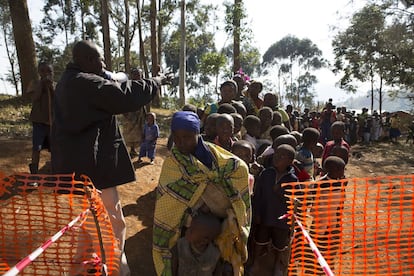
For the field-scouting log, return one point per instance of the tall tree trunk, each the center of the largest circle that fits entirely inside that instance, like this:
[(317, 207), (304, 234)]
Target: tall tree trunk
[(154, 47), (182, 56), (155, 67), (22, 31), (236, 35), (65, 23), (143, 59), (82, 14), (372, 94), (380, 97), (126, 39), (11, 58), (105, 34), (159, 51)]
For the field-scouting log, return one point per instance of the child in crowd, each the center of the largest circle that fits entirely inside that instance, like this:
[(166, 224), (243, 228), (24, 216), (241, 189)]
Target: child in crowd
[(245, 151), (327, 208), (238, 123), (341, 152), (353, 130), (226, 109), (252, 101), (315, 119), (42, 93), (266, 117), (272, 236), (210, 129), (277, 118), (225, 131), (317, 152), (241, 109), (394, 128), (338, 134), (267, 156), (297, 135), (196, 253), (228, 91), (149, 138), (376, 127), (272, 100), (274, 132), (252, 125), (304, 154), (366, 130), (278, 130)]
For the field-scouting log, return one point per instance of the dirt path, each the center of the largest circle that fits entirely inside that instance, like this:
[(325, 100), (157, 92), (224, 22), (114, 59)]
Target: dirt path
[(138, 198)]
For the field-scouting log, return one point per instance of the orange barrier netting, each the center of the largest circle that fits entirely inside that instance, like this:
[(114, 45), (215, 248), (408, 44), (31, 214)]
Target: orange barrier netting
[(362, 226), (35, 207)]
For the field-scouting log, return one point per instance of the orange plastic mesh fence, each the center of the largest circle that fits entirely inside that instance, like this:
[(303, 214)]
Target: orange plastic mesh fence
[(362, 226), (33, 208)]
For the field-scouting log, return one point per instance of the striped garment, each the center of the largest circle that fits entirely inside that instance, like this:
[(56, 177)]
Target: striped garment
[(182, 182)]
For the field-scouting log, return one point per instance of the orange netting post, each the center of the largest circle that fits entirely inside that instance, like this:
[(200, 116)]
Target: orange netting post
[(33, 208), (361, 226)]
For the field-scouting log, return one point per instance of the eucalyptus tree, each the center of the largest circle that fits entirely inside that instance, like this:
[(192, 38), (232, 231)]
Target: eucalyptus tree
[(125, 21), (360, 52), (398, 46), (249, 58), (73, 18), (198, 38), (297, 59), (23, 38), (7, 34), (106, 35), (65, 22), (211, 64), (238, 28)]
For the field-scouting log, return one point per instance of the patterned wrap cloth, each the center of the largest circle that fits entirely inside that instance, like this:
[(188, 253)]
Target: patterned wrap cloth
[(182, 182)]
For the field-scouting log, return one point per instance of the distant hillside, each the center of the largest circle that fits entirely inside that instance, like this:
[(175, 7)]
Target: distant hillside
[(388, 104)]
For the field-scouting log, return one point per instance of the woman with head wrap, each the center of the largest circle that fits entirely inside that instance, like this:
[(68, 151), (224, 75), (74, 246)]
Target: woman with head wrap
[(200, 177)]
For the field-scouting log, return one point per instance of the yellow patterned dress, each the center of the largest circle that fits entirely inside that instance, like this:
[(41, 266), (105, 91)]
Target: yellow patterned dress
[(182, 185)]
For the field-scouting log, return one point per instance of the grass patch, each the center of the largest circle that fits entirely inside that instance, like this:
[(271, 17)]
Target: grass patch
[(15, 111), (14, 117), (163, 120)]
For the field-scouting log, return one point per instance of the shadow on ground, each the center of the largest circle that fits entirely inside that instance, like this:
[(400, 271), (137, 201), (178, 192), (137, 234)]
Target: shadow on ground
[(138, 248)]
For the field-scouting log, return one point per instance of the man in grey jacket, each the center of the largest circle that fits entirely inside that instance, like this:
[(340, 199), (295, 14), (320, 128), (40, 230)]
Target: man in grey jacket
[(85, 133)]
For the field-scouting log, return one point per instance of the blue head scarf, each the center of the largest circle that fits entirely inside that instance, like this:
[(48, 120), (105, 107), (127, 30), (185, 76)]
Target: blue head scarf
[(185, 120), (188, 120)]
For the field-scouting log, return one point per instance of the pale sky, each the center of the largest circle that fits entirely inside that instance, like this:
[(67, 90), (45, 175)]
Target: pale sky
[(270, 21)]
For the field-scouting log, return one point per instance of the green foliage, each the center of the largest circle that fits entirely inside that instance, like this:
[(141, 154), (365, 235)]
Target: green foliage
[(6, 32), (170, 102), (377, 45), (249, 58), (202, 98), (357, 50), (212, 63), (290, 56), (237, 13), (199, 42)]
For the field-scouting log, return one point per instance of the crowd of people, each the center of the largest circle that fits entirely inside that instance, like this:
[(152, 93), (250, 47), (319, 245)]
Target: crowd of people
[(234, 157), (220, 190)]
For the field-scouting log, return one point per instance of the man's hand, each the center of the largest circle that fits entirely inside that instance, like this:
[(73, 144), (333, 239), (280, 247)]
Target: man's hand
[(163, 79), (47, 82)]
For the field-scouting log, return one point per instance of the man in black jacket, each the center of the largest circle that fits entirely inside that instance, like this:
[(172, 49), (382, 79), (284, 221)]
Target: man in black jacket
[(85, 133)]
